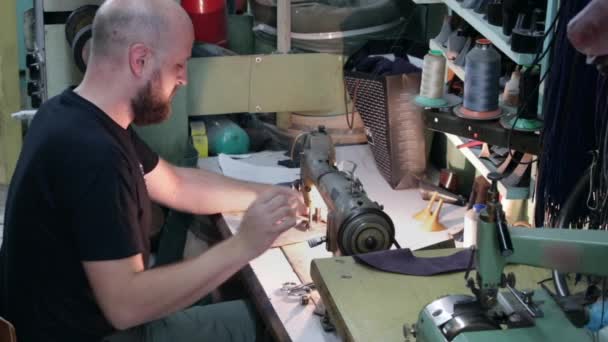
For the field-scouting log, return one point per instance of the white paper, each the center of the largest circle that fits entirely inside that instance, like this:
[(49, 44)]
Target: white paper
[(254, 173)]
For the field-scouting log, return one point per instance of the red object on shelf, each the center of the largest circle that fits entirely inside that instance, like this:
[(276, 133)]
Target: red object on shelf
[(209, 19)]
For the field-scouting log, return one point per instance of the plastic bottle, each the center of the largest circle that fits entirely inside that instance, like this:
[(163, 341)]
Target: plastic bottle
[(225, 136), (595, 315), (471, 218), (511, 94), (199, 138)]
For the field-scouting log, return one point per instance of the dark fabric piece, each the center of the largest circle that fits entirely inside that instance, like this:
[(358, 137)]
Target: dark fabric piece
[(378, 65), (403, 66), (77, 194), (573, 124), (402, 261)]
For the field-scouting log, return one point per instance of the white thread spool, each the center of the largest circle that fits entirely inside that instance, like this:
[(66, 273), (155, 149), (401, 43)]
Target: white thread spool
[(432, 82)]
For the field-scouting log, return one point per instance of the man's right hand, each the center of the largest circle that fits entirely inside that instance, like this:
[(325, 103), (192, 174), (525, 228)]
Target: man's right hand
[(272, 213)]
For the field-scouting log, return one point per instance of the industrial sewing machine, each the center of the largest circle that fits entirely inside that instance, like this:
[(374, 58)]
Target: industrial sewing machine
[(510, 314), (355, 223)]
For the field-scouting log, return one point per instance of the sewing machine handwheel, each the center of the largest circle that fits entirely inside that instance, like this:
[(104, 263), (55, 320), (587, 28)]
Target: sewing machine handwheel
[(366, 232)]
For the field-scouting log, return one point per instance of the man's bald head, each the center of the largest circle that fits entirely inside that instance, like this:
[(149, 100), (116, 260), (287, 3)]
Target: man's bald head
[(138, 57), (120, 23)]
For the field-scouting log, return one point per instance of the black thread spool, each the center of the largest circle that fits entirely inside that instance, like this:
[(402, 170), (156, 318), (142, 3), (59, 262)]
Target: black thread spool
[(482, 7), (510, 11), (481, 86), (529, 93), (470, 4), (495, 12)]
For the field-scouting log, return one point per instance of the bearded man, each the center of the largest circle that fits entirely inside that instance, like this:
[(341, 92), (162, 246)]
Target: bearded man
[(75, 259)]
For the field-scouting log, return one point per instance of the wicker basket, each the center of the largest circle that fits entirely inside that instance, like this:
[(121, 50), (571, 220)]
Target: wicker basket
[(393, 123)]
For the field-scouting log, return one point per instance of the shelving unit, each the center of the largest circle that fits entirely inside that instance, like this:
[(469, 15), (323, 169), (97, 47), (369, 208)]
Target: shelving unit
[(493, 33), (491, 132)]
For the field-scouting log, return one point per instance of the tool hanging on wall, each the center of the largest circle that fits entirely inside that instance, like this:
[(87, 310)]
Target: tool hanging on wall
[(78, 32), (481, 87)]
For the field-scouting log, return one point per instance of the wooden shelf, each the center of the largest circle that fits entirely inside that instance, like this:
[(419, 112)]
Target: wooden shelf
[(485, 167), (458, 70)]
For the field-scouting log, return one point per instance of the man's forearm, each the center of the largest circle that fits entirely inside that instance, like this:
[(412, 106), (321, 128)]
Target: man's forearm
[(157, 292), (205, 192)]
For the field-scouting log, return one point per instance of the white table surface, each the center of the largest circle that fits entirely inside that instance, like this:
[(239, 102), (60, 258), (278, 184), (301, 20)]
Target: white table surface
[(287, 317)]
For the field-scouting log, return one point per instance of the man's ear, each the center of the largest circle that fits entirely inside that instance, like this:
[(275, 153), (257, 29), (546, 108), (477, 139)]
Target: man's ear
[(139, 56)]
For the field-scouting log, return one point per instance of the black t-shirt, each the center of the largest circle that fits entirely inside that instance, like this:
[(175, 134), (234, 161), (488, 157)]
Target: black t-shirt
[(77, 194)]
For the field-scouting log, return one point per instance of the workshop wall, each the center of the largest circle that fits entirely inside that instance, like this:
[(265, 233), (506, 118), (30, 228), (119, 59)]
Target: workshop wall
[(22, 6), (10, 130)]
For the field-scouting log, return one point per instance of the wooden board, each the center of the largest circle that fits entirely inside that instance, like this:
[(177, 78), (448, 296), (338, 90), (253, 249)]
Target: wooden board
[(370, 305)]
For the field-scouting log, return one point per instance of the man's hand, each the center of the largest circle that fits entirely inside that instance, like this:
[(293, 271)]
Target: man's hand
[(588, 32), (272, 213)]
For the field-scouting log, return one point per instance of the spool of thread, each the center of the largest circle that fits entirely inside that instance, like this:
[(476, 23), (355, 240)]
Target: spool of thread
[(495, 12), (510, 10), (481, 7), (526, 120), (481, 88), (432, 82), (529, 93)]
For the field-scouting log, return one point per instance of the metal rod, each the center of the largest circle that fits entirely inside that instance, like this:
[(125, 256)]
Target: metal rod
[(544, 64), (284, 26)]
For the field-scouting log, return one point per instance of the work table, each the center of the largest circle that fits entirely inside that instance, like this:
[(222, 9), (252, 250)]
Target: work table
[(265, 275)]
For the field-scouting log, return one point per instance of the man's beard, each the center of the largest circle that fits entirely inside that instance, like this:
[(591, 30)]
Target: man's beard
[(148, 107)]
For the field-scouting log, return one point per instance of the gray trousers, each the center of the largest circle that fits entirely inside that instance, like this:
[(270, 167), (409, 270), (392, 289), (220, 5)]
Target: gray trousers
[(227, 321)]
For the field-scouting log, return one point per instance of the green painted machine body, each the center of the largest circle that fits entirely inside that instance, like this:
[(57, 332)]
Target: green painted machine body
[(566, 250), (554, 327)]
